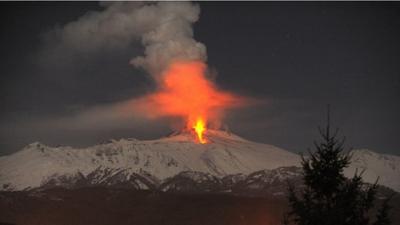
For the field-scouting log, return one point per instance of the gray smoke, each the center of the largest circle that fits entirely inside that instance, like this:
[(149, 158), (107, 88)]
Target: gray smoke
[(163, 28)]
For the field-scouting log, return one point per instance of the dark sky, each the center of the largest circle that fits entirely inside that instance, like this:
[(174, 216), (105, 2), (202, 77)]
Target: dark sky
[(297, 57)]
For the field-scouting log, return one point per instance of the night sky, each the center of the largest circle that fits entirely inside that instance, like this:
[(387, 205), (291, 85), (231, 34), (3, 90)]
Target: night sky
[(294, 57)]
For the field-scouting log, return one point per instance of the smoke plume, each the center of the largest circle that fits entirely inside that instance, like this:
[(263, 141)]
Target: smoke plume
[(163, 28), (171, 56)]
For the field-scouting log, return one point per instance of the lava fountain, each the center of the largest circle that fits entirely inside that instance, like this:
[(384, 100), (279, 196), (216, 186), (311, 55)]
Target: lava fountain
[(199, 128), (186, 92)]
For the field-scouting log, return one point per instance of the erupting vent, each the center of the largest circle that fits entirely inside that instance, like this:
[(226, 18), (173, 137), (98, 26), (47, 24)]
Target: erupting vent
[(186, 92), (200, 128)]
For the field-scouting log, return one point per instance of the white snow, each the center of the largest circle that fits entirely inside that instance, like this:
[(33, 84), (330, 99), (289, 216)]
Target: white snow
[(224, 154), (374, 165)]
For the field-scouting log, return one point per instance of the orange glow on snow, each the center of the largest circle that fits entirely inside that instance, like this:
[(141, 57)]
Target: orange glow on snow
[(186, 92)]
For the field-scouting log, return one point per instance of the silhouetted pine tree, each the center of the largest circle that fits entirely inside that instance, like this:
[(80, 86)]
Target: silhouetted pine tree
[(328, 198)]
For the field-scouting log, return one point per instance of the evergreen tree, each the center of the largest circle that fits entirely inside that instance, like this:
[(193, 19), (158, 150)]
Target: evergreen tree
[(329, 198)]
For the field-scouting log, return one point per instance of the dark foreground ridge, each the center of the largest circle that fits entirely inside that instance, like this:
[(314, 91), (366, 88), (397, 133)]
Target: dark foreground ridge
[(104, 206), (109, 205)]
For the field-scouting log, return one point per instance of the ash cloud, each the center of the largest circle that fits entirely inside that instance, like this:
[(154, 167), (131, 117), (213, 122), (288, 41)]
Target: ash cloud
[(164, 29)]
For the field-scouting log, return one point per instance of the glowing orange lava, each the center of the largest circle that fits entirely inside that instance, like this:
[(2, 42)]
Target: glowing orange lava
[(199, 128), (186, 92)]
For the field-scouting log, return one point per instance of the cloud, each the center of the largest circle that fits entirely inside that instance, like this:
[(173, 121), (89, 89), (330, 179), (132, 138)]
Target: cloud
[(164, 29)]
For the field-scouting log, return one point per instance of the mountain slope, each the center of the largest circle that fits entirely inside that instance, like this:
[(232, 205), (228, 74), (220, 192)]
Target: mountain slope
[(163, 158), (171, 162), (374, 165)]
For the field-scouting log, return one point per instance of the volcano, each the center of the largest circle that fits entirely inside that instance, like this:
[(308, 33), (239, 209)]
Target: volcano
[(175, 162)]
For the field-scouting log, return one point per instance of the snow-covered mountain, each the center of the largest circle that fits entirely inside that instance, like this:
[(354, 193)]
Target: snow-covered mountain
[(171, 163), (384, 167)]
